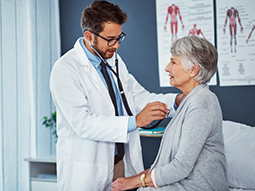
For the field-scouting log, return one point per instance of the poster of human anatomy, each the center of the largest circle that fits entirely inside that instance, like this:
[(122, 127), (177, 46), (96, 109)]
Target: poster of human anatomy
[(236, 42), (179, 18)]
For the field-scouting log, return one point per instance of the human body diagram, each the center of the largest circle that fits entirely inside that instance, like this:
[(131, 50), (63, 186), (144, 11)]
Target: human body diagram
[(173, 10), (196, 32), (232, 15), (250, 33)]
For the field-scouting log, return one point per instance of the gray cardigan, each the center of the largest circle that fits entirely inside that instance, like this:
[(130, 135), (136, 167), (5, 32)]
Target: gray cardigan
[(191, 154)]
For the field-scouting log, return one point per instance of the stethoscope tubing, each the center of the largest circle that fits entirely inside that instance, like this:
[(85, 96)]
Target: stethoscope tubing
[(123, 93), (121, 90)]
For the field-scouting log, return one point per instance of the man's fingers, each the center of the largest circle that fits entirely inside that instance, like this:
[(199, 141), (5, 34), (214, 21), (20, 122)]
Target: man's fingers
[(157, 106), (152, 111), (158, 113)]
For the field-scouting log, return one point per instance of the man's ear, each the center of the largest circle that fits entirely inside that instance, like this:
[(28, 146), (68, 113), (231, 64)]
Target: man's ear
[(88, 35), (194, 71)]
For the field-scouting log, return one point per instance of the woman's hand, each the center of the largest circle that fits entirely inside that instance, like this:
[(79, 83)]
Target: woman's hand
[(126, 183)]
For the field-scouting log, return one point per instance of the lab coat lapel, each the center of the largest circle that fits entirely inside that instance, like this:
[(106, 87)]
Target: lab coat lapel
[(90, 70)]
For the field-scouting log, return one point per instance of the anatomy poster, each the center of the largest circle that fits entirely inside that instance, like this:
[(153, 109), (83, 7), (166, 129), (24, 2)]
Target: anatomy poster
[(179, 18), (236, 42)]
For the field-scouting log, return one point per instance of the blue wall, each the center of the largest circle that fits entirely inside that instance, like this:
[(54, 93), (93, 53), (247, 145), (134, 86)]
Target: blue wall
[(139, 51)]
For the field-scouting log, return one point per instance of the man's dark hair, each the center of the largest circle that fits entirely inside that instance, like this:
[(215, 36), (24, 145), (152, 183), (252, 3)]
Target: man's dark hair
[(100, 12)]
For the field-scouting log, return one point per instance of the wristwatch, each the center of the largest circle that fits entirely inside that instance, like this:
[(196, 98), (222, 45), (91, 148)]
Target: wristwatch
[(142, 177)]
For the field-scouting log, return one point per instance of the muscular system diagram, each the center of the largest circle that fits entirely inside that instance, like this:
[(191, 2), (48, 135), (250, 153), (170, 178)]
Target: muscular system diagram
[(232, 15), (196, 32), (250, 33), (173, 11)]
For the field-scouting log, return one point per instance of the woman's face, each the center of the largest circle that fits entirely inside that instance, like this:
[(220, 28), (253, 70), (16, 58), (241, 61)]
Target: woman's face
[(178, 76)]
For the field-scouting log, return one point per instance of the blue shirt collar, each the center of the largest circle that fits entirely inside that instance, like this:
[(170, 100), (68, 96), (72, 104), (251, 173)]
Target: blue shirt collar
[(95, 60)]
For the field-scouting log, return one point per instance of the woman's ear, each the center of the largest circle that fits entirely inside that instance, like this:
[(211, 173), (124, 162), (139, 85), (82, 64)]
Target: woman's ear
[(194, 71)]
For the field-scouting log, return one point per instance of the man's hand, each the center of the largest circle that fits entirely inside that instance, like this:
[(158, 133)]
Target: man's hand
[(152, 111)]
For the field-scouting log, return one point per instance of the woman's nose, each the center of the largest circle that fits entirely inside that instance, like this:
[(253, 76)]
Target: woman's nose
[(167, 69)]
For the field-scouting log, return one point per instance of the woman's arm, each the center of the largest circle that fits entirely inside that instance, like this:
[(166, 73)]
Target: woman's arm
[(194, 133), (126, 183)]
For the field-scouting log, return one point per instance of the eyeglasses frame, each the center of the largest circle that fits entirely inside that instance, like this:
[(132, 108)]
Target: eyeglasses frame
[(122, 35)]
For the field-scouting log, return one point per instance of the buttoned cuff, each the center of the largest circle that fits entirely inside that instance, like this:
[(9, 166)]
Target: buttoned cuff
[(131, 124)]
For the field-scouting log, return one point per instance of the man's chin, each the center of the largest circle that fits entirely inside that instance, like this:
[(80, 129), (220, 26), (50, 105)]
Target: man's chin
[(108, 56)]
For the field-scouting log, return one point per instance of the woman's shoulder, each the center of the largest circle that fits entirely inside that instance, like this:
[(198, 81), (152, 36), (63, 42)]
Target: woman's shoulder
[(203, 93), (204, 98)]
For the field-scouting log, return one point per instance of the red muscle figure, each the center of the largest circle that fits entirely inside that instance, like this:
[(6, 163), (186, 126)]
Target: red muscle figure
[(196, 32), (250, 33), (173, 11), (232, 14)]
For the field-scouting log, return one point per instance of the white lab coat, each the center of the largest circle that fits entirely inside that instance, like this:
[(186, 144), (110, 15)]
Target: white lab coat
[(87, 126)]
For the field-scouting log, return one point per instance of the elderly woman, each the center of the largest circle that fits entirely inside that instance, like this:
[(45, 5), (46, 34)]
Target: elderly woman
[(191, 153)]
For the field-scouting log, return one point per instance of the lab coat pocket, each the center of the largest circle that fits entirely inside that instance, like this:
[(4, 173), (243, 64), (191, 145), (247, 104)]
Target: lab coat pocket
[(86, 176)]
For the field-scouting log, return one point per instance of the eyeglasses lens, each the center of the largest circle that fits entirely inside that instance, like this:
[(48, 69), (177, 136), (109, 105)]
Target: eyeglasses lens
[(113, 41)]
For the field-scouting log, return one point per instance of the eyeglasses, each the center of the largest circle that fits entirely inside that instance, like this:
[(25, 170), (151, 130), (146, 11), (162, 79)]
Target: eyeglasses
[(112, 42)]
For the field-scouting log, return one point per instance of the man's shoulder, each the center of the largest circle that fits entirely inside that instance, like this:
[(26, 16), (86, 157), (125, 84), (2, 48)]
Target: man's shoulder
[(67, 57), (67, 62)]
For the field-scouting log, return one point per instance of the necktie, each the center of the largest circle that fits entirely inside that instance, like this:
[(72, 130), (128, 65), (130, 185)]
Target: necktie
[(120, 146)]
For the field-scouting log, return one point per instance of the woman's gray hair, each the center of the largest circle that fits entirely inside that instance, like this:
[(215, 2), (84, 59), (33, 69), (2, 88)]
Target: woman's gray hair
[(195, 50)]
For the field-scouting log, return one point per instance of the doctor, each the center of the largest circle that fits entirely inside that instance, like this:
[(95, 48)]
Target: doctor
[(89, 123)]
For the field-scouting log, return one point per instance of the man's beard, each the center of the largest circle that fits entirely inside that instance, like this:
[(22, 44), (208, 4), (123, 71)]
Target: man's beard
[(103, 54)]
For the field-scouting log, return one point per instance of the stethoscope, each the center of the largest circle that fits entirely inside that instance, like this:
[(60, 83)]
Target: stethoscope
[(121, 90)]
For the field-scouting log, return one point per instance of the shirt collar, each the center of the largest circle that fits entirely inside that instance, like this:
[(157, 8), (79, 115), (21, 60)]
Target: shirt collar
[(95, 60)]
